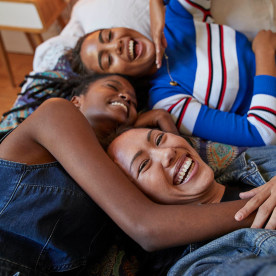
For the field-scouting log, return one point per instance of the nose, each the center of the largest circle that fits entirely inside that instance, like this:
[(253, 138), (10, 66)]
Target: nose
[(116, 46), (125, 97), (165, 156)]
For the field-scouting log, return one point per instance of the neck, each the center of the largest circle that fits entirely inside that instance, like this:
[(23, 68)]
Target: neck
[(152, 70), (215, 193), (103, 128)]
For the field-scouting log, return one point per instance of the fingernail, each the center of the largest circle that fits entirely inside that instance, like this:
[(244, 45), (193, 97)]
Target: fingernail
[(238, 217)]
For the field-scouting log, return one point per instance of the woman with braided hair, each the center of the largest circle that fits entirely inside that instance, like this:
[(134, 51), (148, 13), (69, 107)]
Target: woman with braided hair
[(47, 221), (42, 86)]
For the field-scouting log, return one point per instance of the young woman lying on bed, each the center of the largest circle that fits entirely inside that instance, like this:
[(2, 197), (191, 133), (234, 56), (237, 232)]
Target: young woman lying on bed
[(169, 171), (210, 80), (47, 222)]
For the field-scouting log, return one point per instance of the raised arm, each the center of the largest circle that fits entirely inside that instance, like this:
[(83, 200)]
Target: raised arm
[(264, 47), (157, 23), (255, 128), (59, 127)]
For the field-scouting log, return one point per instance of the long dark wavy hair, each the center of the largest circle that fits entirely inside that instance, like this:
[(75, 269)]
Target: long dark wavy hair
[(73, 55)]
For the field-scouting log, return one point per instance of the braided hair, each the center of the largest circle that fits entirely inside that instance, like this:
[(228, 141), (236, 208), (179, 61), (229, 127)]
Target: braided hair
[(51, 87)]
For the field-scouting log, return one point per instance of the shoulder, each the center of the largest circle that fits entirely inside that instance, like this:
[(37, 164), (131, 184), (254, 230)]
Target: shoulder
[(54, 112), (55, 104)]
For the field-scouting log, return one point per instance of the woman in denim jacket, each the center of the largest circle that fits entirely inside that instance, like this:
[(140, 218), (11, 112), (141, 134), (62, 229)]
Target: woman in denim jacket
[(168, 170)]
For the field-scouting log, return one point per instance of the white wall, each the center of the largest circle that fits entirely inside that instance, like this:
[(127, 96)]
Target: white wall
[(16, 42)]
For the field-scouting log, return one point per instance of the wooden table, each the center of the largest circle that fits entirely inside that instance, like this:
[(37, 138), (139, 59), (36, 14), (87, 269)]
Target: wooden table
[(33, 17)]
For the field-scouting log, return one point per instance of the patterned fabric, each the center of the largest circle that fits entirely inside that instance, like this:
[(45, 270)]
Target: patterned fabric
[(32, 85), (218, 156), (116, 262)]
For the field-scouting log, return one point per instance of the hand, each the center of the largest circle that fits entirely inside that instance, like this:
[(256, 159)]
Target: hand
[(157, 22), (264, 46), (157, 118), (263, 198), (264, 40)]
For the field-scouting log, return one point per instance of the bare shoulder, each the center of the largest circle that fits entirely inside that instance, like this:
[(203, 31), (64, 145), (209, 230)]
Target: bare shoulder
[(23, 145)]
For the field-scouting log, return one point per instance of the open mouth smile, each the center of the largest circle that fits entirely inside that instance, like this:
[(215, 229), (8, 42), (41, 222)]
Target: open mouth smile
[(134, 49), (185, 171), (125, 107)]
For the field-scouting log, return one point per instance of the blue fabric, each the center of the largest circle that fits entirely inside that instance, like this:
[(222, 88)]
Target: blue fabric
[(230, 126), (254, 167), (243, 252), (233, 253), (47, 223)]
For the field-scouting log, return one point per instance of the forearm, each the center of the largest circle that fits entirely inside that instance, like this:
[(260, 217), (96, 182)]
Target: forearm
[(264, 46), (184, 224), (66, 134), (265, 62)]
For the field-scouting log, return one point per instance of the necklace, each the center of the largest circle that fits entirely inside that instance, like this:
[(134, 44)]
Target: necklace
[(172, 82)]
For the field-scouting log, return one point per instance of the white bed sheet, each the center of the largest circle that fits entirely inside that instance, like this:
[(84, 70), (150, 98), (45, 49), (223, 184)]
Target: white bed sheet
[(247, 16)]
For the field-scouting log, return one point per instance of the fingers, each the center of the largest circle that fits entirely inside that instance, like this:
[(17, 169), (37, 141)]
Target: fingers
[(271, 224), (253, 204), (160, 45), (164, 41), (158, 53), (168, 126), (157, 118), (249, 194), (263, 214)]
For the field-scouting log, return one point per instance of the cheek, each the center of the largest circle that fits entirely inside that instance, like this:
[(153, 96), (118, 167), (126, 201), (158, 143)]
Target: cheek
[(207, 177), (120, 66), (155, 185), (133, 116)]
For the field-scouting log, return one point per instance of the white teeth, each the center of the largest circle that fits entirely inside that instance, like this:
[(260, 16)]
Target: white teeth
[(131, 48), (185, 167), (120, 104)]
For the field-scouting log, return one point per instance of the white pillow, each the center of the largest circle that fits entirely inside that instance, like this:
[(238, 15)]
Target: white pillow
[(88, 16), (247, 16), (100, 14)]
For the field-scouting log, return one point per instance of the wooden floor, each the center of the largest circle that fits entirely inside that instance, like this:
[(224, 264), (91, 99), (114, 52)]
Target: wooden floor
[(21, 66)]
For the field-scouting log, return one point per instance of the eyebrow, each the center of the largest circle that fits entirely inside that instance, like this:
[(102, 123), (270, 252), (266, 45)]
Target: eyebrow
[(137, 154), (100, 53), (135, 157), (100, 60), (149, 135), (101, 36), (119, 83)]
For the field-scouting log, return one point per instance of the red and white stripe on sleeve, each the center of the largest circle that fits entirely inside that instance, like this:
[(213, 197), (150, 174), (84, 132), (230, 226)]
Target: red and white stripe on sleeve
[(217, 78), (184, 110), (200, 9), (262, 115)]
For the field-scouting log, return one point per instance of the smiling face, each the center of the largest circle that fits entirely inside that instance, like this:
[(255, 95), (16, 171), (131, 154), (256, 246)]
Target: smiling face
[(118, 50), (163, 165), (108, 103)]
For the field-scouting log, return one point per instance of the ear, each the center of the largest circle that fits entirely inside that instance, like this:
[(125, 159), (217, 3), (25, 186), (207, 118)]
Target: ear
[(76, 101)]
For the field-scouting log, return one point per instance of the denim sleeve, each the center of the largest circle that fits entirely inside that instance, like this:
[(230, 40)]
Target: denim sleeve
[(255, 167)]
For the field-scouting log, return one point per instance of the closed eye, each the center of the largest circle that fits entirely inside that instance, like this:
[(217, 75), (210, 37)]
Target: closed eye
[(113, 87), (159, 139), (142, 166), (109, 60)]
